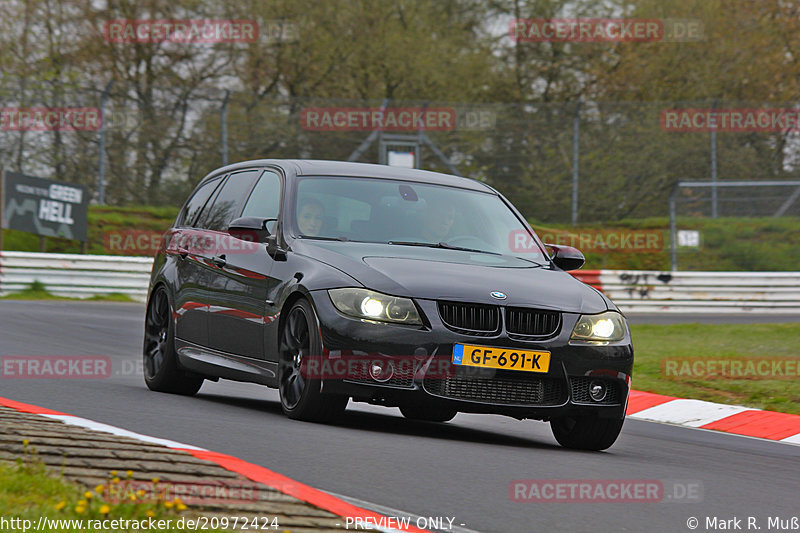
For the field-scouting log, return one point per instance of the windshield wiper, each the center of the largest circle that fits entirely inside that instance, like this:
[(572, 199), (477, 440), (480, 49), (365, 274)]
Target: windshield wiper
[(442, 245), (446, 246), (342, 238)]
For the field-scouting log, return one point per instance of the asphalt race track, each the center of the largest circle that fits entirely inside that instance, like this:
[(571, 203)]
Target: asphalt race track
[(461, 469)]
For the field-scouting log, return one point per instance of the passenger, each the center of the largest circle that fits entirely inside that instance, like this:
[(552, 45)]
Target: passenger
[(437, 222)]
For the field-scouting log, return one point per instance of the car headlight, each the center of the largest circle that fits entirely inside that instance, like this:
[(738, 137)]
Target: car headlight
[(604, 327), (371, 305)]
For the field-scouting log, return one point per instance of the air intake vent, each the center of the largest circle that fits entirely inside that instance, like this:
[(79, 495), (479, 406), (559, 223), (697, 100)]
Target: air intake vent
[(532, 322), (470, 319), (501, 389)]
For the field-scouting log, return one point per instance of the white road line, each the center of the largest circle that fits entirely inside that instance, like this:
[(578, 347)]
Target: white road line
[(794, 439), (91, 424), (691, 413)]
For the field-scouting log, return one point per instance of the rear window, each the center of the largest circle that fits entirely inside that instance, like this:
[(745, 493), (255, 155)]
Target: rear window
[(228, 201), (196, 202)]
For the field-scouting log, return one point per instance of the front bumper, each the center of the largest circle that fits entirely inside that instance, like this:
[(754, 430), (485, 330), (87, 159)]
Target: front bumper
[(422, 374)]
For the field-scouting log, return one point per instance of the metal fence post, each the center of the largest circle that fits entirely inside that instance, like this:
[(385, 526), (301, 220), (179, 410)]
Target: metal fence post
[(575, 127), (101, 180), (2, 204), (224, 125), (714, 162), (673, 230)]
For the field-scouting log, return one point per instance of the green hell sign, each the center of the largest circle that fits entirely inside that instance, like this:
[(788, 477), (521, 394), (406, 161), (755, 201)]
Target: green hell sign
[(45, 207)]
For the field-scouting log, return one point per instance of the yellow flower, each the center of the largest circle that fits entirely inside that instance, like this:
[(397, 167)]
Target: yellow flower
[(60, 505), (88, 495), (141, 493), (181, 507), (105, 509), (150, 513), (25, 442), (115, 480), (177, 501), (99, 489), (155, 480), (129, 473), (132, 497), (114, 473), (82, 503), (80, 509), (168, 505)]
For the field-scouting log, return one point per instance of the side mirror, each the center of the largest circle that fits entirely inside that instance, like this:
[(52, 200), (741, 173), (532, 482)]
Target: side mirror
[(567, 257), (275, 251), (253, 229)]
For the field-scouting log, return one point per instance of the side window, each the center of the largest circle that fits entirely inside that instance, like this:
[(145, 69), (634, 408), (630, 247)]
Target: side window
[(196, 203), (228, 201), (265, 200)]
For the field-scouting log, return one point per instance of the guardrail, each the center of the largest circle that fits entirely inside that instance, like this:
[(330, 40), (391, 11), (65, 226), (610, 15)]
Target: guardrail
[(698, 292), (83, 276), (76, 275)]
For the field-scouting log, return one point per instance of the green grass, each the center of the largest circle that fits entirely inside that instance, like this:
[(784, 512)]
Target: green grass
[(29, 490), (103, 221), (655, 344), (37, 291), (727, 244), (110, 297)]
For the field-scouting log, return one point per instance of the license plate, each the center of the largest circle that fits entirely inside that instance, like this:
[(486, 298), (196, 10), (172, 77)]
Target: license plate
[(502, 358)]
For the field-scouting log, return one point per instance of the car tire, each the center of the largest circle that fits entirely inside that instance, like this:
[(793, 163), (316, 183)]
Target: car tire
[(586, 432), (162, 372), (428, 414), (302, 397)]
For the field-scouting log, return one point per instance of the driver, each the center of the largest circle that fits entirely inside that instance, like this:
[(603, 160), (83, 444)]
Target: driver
[(437, 222), (310, 217)]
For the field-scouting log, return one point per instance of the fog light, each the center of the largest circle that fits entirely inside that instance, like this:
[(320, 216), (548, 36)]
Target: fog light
[(597, 391), (380, 371)]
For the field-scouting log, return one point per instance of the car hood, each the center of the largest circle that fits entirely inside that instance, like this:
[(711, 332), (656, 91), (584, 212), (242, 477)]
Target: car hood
[(440, 274)]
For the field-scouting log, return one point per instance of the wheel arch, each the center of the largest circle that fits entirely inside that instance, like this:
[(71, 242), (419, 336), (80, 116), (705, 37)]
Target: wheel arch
[(159, 284), (299, 293)]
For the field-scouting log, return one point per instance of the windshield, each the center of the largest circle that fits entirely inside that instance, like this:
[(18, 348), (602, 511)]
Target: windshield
[(409, 214)]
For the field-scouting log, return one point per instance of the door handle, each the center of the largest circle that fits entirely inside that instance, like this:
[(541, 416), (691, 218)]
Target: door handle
[(219, 260)]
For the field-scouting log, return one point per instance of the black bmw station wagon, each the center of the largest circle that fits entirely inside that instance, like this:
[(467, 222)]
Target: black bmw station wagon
[(429, 292)]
